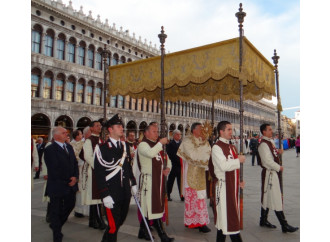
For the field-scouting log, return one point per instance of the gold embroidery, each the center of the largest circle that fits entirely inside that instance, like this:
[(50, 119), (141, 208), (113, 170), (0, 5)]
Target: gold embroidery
[(196, 177)]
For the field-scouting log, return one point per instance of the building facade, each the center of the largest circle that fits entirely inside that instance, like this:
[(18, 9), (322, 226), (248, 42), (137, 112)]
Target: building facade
[(67, 77)]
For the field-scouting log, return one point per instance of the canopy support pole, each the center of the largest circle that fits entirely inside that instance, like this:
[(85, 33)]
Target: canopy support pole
[(240, 17), (163, 131), (279, 108)]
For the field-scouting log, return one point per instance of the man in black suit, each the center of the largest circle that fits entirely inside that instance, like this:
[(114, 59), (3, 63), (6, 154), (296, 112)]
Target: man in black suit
[(171, 149), (62, 168), (40, 148), (114, 177)]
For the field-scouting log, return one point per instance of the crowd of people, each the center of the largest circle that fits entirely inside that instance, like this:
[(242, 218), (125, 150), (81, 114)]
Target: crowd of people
[(96, 177)]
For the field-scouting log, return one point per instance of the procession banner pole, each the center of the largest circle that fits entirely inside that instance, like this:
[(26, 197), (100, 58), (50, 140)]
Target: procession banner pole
[(163, 132), (279, 109), (240, 17)]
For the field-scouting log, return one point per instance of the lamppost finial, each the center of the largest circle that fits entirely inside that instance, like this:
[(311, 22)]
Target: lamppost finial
[(275, 58), (162, 36), (240, 15)]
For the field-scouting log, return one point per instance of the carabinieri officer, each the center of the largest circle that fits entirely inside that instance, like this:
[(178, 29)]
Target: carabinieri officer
[(114, 177)]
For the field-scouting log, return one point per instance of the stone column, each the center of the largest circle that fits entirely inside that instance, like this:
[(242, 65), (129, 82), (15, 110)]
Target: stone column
[(66, 50), (93, 94), (85, 92), (76, 54), (65, 83), (52, 94), (55, 48), (75, 91), (42, 43), (41, 86)]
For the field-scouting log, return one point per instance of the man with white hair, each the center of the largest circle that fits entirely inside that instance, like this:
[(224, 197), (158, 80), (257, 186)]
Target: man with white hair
[(171, 149), (62, 168)]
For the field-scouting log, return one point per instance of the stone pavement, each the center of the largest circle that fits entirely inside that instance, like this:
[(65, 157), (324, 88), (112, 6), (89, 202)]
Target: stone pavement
[(77, 230)]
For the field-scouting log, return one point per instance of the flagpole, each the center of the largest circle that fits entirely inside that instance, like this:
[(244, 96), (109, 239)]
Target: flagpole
[(240, 17)]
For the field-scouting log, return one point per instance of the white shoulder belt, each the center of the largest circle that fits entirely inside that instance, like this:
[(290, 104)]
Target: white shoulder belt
[(113, 166)]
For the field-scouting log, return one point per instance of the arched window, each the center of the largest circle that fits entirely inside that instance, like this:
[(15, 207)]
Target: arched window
[(98, 60), (98, 94), (89, 92), (115, 59), (59, 87), (71, 50), (35, 77), (47, 85), (90, 56), (34, 85), (122, 60), (81, 53), (36, 38), (60, 46), (70, 89), (49, 43), (108, 59), (80, 91)]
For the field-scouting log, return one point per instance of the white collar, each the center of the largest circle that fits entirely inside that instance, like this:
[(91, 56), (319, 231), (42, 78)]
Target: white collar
[(114, 141), (224, 140), (266, 138), (59, 143)]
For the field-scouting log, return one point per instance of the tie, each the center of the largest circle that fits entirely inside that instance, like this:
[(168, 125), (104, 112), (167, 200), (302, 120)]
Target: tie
[(118, 145), (66, 151)]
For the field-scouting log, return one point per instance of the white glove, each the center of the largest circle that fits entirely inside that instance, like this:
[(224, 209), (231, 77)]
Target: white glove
[(108, 202), (134, 189)]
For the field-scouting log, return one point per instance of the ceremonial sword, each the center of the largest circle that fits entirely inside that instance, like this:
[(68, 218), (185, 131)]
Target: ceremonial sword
[(144, 220)]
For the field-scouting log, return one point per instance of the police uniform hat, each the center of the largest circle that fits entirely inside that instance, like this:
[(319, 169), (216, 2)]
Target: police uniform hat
[(116, 119)]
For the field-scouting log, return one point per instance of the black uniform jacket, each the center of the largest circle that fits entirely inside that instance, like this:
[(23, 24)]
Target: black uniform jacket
[(172, 149), (60, 167), (115, 187), (41, 151)]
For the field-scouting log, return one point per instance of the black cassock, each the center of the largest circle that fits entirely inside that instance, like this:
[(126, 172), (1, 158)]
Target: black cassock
[(118, 187)]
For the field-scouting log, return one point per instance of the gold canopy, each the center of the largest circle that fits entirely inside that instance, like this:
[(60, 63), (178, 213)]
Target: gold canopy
[(205, 72)]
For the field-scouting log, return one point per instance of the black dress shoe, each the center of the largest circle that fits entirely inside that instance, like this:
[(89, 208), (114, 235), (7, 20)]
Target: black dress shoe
[(204, 229), (169, 199), (78, 215), (182, 199)]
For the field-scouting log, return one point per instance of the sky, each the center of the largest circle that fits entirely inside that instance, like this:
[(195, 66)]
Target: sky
[(269, 25)]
